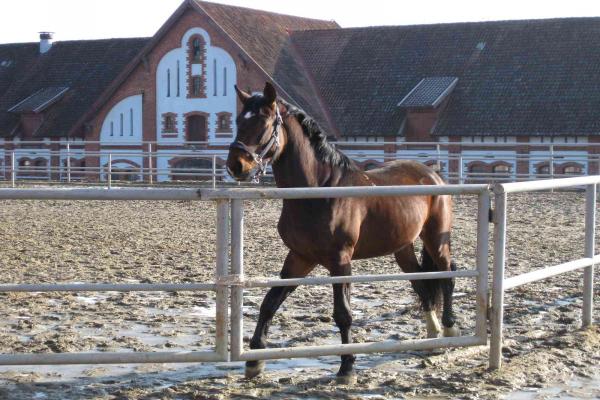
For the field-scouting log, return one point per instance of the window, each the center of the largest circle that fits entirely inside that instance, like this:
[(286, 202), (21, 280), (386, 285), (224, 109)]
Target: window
[(543, 169), (215, 77), (178, 78), (573, 170), (169, 123), (168, 83), (224, 122), (501, 168), (196, 51), (196, 68), (225, 81), (121, 124), (131, 122), (112, 128), (196, 86), (478, 168)]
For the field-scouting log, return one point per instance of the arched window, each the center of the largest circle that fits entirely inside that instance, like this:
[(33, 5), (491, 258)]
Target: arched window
[(543, 169), (40, 162), (196, 67), (478, 168), (501, 169), (196, 50), (24, 162), (573, 170)]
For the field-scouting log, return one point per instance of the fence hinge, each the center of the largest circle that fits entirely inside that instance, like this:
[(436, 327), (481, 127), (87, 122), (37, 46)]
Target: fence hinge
[(491, 215)]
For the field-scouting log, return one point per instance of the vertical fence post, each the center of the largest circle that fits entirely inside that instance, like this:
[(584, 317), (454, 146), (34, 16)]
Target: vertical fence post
[(498, 278), (214, 171), (237, 268), (221, 271), (13, 172), (150, 168), (551, 165), (438, 155), (588, 272), (483, 213), (109, 178), (68, 162), (461, 179)]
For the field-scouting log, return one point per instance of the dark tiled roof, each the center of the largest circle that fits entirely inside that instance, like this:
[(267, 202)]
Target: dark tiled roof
[(515, 77), (265, 37), (86, 67), (430, 92), (40, 100)]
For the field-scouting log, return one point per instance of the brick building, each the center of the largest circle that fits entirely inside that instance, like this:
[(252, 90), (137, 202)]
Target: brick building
[(500, 96)]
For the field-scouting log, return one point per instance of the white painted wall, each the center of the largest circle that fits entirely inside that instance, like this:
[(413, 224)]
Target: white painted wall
[(164, 156), (181, 104), (126, 107), (560, 157)]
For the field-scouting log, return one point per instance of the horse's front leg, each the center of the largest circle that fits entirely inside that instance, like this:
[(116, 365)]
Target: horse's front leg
[(342, 315), (293, 267)]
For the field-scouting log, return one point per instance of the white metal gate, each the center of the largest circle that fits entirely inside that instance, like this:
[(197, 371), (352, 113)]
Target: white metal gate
[(229, 347)]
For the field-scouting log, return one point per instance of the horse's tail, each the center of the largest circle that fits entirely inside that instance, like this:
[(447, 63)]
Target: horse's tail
[(433, 286)]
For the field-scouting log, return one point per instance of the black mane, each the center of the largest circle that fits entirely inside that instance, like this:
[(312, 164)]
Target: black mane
[(324, 151)]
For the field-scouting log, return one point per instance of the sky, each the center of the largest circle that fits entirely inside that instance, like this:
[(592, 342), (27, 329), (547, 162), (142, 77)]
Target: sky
[(20, 21)]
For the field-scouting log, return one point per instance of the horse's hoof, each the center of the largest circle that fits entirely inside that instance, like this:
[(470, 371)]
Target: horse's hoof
[(432, 334), (432, 324), (254, 368), (346, 379), (453, 331)]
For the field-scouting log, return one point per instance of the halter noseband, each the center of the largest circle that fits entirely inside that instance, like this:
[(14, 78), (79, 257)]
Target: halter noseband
[(258, 157)]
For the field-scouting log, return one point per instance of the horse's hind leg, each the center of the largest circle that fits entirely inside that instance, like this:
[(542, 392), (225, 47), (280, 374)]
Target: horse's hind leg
[(407, 260), (293, 267), (436, 251)]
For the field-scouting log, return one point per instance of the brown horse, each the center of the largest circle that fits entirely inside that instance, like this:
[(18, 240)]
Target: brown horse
[(333, 232)]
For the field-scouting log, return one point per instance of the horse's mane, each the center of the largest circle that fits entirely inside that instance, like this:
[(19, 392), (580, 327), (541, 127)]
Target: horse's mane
[(324, 151)]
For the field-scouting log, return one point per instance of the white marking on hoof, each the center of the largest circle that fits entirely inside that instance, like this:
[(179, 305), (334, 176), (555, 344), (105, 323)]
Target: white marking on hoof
[(254, 370), (433, 325), (451, 332)]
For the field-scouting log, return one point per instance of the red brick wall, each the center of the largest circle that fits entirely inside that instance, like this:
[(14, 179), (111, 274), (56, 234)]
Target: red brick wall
[(142, 79)]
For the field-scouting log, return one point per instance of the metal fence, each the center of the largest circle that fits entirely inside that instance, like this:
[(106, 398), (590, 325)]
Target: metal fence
[(502, 284), (457, 162), (231, 279)]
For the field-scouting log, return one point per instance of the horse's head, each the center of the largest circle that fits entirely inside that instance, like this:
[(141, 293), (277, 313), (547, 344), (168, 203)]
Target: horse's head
[(259, 138)]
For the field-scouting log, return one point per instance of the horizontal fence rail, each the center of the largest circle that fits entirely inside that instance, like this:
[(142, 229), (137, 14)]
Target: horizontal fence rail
[(501, 283), (230, 281), (455, 161)]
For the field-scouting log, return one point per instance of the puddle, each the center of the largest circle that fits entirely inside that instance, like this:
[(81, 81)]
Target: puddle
[(577, 388)]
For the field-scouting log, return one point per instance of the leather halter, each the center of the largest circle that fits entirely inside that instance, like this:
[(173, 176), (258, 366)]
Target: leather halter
[(259, 157)]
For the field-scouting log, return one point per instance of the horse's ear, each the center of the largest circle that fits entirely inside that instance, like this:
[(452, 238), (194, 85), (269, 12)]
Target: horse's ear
[(243, 96), (270, 93)]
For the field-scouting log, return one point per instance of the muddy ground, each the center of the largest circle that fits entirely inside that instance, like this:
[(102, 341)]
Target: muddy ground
[(546, 355)]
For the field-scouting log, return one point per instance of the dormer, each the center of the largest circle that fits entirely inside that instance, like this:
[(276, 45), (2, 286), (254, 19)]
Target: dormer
[(424, 104)]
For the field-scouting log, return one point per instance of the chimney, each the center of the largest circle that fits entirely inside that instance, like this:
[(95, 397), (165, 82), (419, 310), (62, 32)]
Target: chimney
[(45, 41)]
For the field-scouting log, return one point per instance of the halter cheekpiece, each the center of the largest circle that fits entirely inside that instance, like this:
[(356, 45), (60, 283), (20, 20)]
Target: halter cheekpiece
[(258, 157)]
